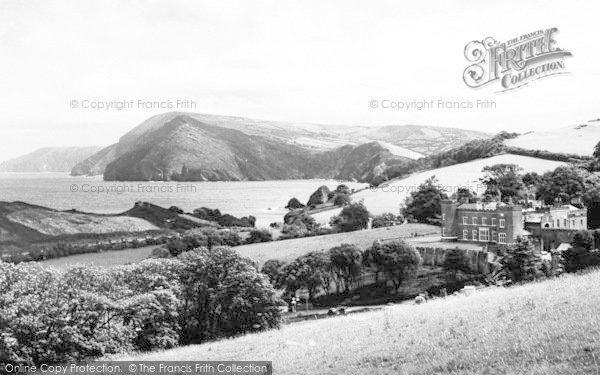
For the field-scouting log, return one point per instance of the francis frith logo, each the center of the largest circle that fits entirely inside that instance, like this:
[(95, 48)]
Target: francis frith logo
[(515, 63)]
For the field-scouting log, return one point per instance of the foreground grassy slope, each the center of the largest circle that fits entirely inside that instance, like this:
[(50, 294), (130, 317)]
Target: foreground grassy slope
[(551, 327)]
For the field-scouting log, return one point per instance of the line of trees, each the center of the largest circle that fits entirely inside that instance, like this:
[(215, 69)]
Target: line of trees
[(340, 268)]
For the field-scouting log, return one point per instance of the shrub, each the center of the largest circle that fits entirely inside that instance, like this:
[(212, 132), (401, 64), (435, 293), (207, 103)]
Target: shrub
[(320, 196), (385, 220), (294, 204), (353, 217), (259, 235), (341, 199)]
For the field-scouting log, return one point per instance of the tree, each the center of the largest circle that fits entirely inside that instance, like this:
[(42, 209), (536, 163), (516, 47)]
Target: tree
[(399, 260), (353, 217), (346, 262), (274, 269), (223, 294), (372, 258), (425, 203), (521, 263), (455, 262), (259, 235), (320, 196), (464, 195), (343, 189), (596, 153), (341, 199), (294, 204), (504, 178), (563, 184), (385, 220), (580, 255)]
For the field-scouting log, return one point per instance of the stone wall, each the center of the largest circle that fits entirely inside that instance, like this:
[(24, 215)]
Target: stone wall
[(434, 256)]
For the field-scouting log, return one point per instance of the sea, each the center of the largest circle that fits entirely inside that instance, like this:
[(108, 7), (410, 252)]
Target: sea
[(265, 200)]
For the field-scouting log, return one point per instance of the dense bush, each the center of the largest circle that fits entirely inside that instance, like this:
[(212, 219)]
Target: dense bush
[(203, 237), (353, 217), (259, 235), (386, 220), (293, 204), (581, 254), (224, 220), (50, 317), (85, 312)]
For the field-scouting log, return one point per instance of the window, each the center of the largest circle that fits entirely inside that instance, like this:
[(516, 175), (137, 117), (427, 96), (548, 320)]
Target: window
[(493, 221), (558, 223), (573, 223), (484, 234), (502, 237), (474, 235), (484, 221), (581, 222), (443, 232), (443, 216), (494, 236), (502, 222), (474, 220), (465, 234), (465, 220), (565, 222)]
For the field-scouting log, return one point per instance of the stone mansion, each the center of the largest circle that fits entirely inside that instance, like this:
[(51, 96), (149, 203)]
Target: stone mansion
[(494, 222), (501, 223)]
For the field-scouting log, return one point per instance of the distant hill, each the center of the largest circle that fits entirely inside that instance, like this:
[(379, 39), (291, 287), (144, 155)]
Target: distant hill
[(189, 146), (576, 139), (49, 159)]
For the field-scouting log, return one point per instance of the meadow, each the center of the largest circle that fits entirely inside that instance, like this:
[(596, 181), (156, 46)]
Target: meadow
[(285, 250), (288, 250), (102, 259), (549, 327)]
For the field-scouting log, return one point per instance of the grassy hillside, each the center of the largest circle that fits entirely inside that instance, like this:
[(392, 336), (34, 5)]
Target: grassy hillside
[(389, 196), (288, 250), (216, 147), (551, 327), (103, 259), (577, 139)]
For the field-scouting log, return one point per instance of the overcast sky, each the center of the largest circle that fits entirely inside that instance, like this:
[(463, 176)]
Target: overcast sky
[(302, 61)]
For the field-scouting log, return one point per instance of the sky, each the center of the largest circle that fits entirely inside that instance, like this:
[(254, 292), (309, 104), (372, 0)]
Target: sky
[(293, 61)]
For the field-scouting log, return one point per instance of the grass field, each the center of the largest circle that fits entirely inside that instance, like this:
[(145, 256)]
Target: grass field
[(285, 250), (103, 259), (551, 327), (288, 250), (390, 196)]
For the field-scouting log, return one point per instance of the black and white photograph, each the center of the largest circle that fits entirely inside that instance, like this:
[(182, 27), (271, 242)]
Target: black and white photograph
[(299, 187)]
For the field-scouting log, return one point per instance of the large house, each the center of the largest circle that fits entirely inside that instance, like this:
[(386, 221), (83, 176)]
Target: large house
[(555, 225), (492, 222)]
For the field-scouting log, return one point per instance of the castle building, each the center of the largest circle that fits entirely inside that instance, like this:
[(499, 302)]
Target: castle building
[(493, 222)]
